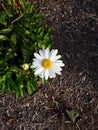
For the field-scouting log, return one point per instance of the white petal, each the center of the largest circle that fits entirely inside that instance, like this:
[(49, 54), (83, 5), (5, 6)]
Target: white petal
[(46, 74), (57, 70), (32, 66), (41, 52), (47, 52), (42, 74), (53, 54), (56, 57), (58, 61), (52, 73), (38, 56), (58, 64), (38, 70), (52, 51), (36, 64), (35, 59)]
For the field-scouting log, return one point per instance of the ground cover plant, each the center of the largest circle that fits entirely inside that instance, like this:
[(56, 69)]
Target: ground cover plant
[(21, 34)]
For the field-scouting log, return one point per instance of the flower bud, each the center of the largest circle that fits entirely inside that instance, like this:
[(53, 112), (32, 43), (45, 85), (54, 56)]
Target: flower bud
[(25, 66)]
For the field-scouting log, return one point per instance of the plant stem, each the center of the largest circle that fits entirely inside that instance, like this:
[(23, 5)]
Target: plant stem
[(15, 20), (5, 9)]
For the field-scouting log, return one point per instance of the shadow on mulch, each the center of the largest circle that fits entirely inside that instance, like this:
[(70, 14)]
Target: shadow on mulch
[(75, 33)]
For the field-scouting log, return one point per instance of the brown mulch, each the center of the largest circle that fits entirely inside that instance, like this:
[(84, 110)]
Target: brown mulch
[(75, 34)]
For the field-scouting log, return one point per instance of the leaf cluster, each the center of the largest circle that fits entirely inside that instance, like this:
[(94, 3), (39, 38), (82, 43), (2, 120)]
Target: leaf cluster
[(21, 34)]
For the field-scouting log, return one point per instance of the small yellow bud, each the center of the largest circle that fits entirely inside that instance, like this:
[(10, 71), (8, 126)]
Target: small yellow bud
[(21, 86), (25, 66)]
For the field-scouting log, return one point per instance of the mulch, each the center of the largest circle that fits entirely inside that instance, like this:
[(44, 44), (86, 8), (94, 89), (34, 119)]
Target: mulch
[(74, 26)]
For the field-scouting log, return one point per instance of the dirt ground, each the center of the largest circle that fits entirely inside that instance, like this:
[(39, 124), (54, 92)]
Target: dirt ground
[(75, 92)]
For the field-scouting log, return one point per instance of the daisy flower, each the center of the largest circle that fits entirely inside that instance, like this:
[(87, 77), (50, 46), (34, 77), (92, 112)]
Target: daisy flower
[(46, 64)]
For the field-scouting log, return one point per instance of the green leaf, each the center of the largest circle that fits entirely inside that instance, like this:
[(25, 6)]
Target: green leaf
[(13, 86), (13, 38), (39, 16), (3, 87), (27, 32), (8, 74), (73, 115), (29, 87), (32, 9), (2, 18), (26, 53), (5, 31), (1, 80), (3, 37), (2, 65), (20, 30), (7, 83), (22, 91), (34, 87), (22, 3), (17, 94)]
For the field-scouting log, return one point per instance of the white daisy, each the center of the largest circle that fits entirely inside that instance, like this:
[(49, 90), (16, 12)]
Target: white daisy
[(46, 64)]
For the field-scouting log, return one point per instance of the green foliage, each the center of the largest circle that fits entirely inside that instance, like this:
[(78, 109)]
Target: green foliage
[(74, 115), (21, 34)]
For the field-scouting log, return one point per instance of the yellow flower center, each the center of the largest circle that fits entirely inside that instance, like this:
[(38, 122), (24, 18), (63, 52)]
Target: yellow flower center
[(47, 63)]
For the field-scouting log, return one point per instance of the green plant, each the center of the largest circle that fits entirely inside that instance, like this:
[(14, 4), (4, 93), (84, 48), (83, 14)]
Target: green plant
[(21, 34)]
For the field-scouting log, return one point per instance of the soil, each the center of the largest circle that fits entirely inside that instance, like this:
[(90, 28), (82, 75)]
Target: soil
[(69, 101)]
